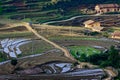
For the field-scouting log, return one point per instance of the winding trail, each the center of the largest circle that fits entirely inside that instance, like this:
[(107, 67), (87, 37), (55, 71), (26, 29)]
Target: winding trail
[(66, 52), (111, 74), (77, 17), (29, 27)]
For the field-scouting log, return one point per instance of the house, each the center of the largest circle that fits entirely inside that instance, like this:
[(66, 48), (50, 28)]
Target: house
[(116, 35), (103, 8), (91, 23), (97, 29), (94, 25)]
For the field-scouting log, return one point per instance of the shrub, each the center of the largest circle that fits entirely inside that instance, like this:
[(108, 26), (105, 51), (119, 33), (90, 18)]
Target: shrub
[(105, 34), (14, 61)]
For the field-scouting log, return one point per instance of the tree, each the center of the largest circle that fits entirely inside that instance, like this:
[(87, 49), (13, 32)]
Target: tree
[(105, 34), (114, 57), (1, 8), (14, 61), (83, 58)]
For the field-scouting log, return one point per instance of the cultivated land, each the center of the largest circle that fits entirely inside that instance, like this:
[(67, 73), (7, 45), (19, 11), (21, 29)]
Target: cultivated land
[(34, 11), (35, 47), (62, 40), (76, 50), (105, 20), (67, 34)]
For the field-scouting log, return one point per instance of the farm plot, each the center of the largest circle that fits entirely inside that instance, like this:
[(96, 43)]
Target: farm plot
[(106, 21), (17, 34), (35, 47), (22, 47), (10, 47), (76, 51)]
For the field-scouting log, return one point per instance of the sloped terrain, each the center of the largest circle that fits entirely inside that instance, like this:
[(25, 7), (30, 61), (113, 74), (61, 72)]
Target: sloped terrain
[(37, 11), (40, 11), (29, 62), (106, 21)]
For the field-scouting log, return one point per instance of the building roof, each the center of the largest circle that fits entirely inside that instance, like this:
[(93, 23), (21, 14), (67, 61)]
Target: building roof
[(89, 22), (98, 28), (116, 33), (108, 5)]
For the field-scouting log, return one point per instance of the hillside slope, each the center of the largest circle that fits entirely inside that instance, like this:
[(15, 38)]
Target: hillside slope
[(40, 11)]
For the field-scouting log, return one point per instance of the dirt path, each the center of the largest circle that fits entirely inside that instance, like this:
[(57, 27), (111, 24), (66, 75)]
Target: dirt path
[(66, 52), (27, 25), (77, 17), (111, 74)]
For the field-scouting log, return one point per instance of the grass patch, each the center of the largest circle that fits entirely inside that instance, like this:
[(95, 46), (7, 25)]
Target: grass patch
[(15, 34), (35, 47), (43, 16), (73, 38), (3, 57), (79, 50)]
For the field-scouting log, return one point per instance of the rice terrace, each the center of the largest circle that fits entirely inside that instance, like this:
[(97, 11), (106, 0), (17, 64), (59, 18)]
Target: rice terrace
[(59, 40)]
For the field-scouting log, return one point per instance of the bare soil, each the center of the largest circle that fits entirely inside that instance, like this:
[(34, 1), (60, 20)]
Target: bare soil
[(25, 63), (106, 21), (71, 42)]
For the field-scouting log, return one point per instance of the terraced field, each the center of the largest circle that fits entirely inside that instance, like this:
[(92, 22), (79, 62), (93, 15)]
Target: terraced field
[(33, 10), (105, 20), (35, 47), (76, 51)]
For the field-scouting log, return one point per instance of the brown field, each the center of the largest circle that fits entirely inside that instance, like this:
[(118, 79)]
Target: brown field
[(54, 55), (71, 42), (106, 21), (54, 34)]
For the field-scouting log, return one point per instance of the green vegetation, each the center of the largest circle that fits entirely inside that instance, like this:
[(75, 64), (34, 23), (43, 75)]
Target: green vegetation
[(118, 77), (14, 61), (113, 58), (113, 13), (3, 57), (74, 38), (105, 34), (35, 47), (40, 11), (0, 8), (109, 58), (89, 33), (44, 16), (37, 11), (15, 34), (82, 52)]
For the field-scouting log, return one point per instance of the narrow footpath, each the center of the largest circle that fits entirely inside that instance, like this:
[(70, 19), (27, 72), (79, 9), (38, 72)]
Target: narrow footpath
[(27, 25)]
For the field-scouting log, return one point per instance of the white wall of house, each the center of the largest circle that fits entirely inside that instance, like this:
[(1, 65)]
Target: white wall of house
[(95, 24)]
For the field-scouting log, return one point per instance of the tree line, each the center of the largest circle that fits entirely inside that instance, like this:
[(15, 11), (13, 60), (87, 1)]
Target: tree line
[(65, 4), (110, 57)]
